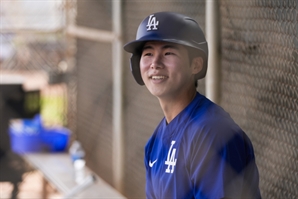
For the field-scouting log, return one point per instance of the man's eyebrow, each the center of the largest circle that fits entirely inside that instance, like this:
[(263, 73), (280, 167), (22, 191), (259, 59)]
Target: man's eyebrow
[(147, 47), (170, 46)]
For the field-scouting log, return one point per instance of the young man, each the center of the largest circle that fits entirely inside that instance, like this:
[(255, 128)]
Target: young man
[(197, 150)]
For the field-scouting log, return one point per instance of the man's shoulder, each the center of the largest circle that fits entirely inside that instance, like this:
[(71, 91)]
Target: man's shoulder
[(211, 121)]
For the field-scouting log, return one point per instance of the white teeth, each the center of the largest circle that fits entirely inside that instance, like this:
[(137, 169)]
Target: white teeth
[(158, 77)]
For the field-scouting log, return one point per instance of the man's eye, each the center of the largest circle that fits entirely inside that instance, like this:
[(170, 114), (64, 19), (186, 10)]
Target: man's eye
[(169, 53), (147, 54)]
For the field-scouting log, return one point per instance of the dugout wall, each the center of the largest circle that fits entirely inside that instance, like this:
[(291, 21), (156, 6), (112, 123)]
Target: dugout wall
[(259, 87)]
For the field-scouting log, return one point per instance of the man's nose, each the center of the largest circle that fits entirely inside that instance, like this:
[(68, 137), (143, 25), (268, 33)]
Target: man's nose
[(157, 62)]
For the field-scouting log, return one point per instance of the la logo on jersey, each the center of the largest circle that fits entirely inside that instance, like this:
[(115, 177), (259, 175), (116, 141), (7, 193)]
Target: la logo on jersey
[(152, 22), (171, 160)]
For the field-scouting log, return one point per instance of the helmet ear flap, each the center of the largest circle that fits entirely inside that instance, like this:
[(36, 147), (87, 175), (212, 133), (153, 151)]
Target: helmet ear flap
[(135, 68)]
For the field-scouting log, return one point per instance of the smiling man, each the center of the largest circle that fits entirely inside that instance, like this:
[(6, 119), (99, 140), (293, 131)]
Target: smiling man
[(164, 73), (197, 150)]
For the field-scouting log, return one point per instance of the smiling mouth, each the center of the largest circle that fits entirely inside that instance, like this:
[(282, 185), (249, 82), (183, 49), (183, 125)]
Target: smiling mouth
[(158, 77)]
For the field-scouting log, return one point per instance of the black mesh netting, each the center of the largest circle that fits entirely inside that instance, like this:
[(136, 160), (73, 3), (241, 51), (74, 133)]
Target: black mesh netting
[(259, 87)]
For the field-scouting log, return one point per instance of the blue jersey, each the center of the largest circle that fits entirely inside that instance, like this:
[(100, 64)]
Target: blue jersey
[(201, 153)]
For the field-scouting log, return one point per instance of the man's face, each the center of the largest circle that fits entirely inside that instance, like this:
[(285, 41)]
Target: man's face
[(166, 70)]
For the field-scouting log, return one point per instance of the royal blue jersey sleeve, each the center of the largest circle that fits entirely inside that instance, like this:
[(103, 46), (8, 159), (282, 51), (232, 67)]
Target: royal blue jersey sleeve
[(221, 161)]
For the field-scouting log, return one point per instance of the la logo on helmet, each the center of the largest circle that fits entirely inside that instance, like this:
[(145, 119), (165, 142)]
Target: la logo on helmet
[(152, 22)]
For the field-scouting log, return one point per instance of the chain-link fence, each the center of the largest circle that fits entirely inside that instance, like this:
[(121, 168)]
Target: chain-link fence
[(258, 87), (35, 46), (35, 77), (259, 80)]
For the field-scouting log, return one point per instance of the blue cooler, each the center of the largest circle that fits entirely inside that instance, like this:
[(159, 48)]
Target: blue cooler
[(25, 136), (56, 138), (30, 136)]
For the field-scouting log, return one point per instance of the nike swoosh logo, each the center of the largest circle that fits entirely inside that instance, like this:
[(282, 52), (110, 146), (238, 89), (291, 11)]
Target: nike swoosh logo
[(152, 163)]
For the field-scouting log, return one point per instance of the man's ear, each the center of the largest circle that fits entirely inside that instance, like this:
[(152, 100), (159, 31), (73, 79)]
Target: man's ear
[(197, 65)]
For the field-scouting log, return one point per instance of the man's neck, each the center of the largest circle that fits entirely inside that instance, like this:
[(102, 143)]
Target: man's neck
[(172, 107)]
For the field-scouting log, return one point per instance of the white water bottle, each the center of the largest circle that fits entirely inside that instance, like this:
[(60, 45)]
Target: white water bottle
[(76, 151), (77, 154)]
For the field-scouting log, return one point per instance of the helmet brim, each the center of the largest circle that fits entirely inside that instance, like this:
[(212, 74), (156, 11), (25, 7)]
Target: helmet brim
[(137, 45)]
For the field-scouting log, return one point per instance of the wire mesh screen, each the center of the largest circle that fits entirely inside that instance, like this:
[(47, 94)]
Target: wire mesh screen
[(260, 86), (32, 51), (94, 118), (34, 45), (39, 59), (94, 99)]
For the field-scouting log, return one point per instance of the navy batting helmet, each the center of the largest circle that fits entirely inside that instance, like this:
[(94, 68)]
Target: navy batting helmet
[(168, 27)]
